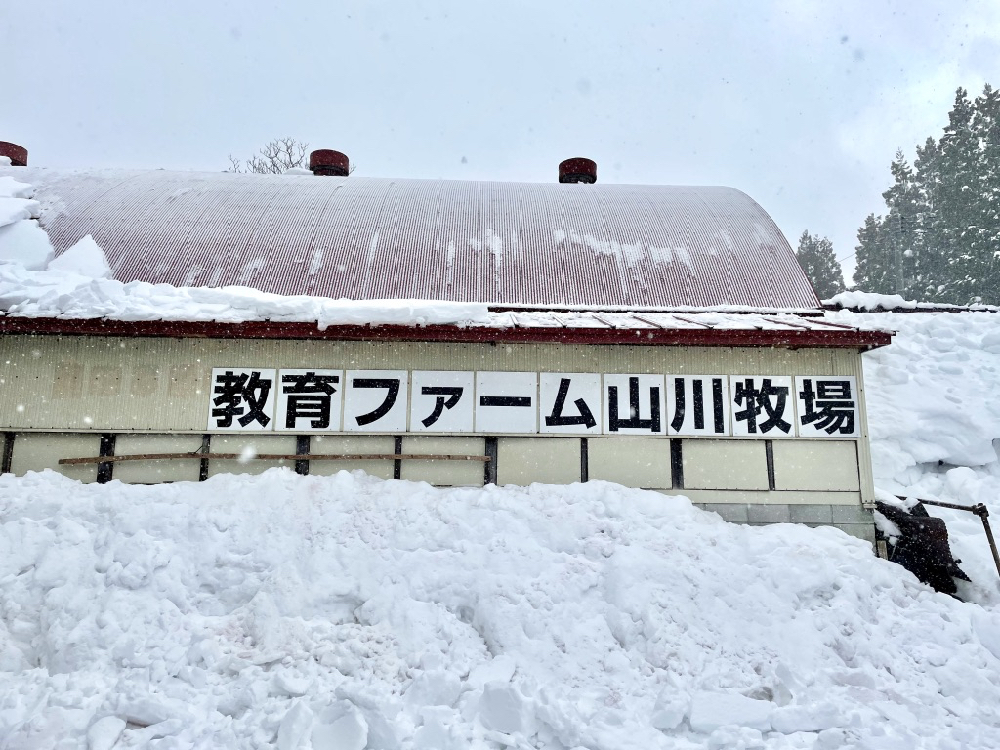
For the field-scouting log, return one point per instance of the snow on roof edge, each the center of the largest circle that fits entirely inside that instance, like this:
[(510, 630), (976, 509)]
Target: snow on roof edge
[(873, 302)]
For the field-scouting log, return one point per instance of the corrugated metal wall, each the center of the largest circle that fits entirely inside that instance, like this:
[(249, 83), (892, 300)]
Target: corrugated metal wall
[(157, 385)]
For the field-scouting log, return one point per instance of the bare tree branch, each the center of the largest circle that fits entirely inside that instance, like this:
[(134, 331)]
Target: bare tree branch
[(275, 157)]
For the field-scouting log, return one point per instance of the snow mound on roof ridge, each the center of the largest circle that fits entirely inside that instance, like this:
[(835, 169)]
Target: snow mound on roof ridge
[(350, 611)]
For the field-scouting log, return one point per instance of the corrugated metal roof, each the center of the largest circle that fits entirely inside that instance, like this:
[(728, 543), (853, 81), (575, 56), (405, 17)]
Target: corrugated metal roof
[(514, 244)]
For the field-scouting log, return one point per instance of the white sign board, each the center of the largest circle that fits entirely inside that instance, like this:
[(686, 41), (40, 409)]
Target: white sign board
[(507, 402), (242, 400), (443, 401), (762, 406), (375, 401), (309, 400), (570, 403), (698, 405), (634, 405), (305, 400), (827, 406)]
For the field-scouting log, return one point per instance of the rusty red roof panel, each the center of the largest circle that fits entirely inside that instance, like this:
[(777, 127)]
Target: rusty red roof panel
[(517, 244)]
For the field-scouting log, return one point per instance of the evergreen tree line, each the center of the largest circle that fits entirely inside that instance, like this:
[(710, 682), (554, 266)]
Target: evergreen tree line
[(940, 240), (815, 255)]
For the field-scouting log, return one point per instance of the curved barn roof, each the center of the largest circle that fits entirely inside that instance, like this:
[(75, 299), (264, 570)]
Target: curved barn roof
[(504, 244)]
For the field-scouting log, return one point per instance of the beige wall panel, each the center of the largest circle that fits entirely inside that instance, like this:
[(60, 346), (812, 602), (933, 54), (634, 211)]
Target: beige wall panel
[(725, 464), (763, 497), (155, 385), (830, 465), (259, 444), (549, 460), (631, 461), (151, 472), (866, 474), (160, 384), (445, 473), (336, 444), (37, 451)]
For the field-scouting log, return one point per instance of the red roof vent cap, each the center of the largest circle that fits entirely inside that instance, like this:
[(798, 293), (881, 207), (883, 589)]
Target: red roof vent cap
[(18, 155), (578, 169), (325, 161)]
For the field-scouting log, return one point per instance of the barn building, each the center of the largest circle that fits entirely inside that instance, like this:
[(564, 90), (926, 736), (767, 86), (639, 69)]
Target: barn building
[(659, 337)]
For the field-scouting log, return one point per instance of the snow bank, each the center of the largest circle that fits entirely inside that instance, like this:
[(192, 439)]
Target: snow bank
[(933, 401), (871, 301), (77, 284), (348, 612), (934, 394)]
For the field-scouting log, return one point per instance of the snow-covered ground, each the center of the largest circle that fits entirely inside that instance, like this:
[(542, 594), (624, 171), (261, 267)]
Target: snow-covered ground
[(348, 612)]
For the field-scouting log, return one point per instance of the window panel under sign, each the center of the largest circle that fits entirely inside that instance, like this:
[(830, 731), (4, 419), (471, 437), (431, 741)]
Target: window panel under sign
[(511, 403)]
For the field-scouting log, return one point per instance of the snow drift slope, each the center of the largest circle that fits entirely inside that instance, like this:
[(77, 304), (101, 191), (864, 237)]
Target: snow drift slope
[(934, 394), (348, 612), (934, 416)]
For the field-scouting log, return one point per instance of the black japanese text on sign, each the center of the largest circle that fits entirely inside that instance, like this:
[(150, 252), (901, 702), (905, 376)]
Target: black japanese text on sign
[(510, 403)]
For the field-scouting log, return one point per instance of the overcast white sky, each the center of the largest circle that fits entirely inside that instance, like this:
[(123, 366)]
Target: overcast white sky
[(799, 103)]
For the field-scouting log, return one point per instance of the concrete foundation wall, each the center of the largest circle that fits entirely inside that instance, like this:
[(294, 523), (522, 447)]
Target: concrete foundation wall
[(851, 519)]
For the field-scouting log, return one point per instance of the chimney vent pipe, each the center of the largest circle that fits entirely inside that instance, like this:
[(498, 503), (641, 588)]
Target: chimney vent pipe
[(18, 155), (327, 162), (578, 169)]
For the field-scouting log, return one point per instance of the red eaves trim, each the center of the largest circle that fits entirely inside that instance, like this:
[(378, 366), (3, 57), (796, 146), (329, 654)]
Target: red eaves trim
[(793, 338)]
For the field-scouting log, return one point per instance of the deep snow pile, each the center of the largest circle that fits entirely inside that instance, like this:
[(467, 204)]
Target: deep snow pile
[(933, 401), (77, 284), (347, 612)]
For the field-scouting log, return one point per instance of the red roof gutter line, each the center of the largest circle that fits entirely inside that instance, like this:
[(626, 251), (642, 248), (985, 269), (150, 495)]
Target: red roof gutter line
[(793, 338)]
